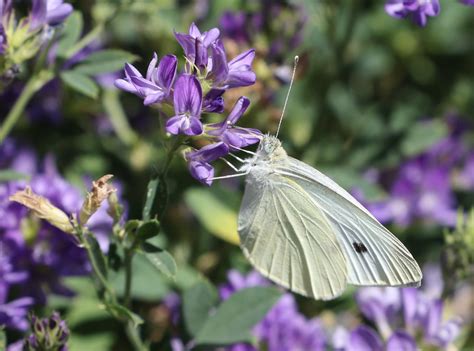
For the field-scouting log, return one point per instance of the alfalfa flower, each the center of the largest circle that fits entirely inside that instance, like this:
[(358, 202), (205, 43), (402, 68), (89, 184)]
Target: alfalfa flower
[(418, 10), (48, 334), (100, 191), (42, 208)]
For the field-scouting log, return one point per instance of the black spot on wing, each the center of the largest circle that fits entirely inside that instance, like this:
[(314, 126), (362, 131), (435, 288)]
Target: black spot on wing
[(359, 247)]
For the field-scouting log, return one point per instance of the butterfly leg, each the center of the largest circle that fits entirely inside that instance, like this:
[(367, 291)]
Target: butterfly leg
[(231, 176), (229, 164)]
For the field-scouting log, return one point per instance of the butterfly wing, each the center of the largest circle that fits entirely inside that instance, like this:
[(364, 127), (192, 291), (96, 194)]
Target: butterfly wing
[(286, 236), (374, 254)]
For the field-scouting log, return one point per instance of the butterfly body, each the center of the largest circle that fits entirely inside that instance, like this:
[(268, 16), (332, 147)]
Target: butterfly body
[(303, 231)]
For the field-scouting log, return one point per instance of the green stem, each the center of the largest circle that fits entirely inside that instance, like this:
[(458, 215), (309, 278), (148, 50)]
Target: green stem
[(35, 83), (134, 338), (118, 118)]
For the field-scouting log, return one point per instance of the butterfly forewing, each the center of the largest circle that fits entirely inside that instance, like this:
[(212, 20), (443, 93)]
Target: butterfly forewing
[(289, 239), (375, 256)]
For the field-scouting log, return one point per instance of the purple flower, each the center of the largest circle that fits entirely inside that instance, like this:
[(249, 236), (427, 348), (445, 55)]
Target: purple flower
[(187, 107), (419, 10), (51, 12), (13, 313), (156, 86), (379, 305), (233, 136), (196, 44), (213, 101), (364, 339), (233, 25), (468, 2), (236, 73), (199, 161), (283, 328), (401, 341)]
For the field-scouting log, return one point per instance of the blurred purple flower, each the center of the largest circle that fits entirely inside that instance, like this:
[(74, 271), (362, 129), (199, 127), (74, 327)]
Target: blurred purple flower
[(283, 328), (51, 12), (187, 107), (418, 10), (233, 25), (422, 188), (422, 312), (364, 339), (196, 44), (155, 87), (229, 133), (199, 161), (36, 258), (468, 2)]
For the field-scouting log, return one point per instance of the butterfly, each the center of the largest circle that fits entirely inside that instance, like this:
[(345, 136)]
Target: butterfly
[(303, 231)]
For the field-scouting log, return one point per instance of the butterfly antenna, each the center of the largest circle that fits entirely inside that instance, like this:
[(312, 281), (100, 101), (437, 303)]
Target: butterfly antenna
[(287, 94)]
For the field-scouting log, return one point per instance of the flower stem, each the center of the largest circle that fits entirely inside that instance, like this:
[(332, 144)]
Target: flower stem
[(35, 83)]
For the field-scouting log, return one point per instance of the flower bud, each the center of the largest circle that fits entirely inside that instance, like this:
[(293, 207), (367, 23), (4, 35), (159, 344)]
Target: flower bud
[(48, 334), (42, 208), (100, 191)]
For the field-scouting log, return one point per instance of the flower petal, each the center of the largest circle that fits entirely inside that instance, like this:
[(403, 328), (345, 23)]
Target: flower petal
[(187, 43), (167, 71), (193, 127), (188, 96), (219, 70), (401, 341), (244, 59), (151, 67), (201, 171), (154, 98), (173, 125), (238, 110), (125, 85), (211, 36), (364, 339), (194, 31)]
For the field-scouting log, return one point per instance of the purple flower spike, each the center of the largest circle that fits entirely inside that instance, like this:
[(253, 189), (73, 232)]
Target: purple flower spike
[(234, 136), (199, 161), (187, 106), (364, 339), (155, 87), (196, 44), (401, 341), (419, 10)]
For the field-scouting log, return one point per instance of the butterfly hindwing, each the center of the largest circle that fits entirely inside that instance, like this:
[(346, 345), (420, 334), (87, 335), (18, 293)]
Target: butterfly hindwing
[(289, 239)]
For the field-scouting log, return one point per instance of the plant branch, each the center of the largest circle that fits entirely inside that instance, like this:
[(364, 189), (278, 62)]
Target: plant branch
[(35, 83)]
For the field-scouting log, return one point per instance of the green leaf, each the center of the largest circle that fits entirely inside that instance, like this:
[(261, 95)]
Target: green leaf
[(71, 33), (147, 283), (3, 339), (104, 61), (9, 174), (197, 303), (148, 230), (81, 83), (423, 135), (161, 259), (213, 213), (96, 255), (124, 313), (236, 316), (157, 192)]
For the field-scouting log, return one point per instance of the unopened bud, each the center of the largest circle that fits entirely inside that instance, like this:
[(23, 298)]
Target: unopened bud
[(100, 191), (42, 208)]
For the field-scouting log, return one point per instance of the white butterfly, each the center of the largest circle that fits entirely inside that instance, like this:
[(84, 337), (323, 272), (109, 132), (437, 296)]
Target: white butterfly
[(303, 231), (306, 233)]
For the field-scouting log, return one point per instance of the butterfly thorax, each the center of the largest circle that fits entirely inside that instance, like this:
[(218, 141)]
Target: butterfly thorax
[(270, 154)]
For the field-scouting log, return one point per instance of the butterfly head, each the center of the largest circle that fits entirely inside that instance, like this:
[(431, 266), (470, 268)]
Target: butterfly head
[(270, 149)]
